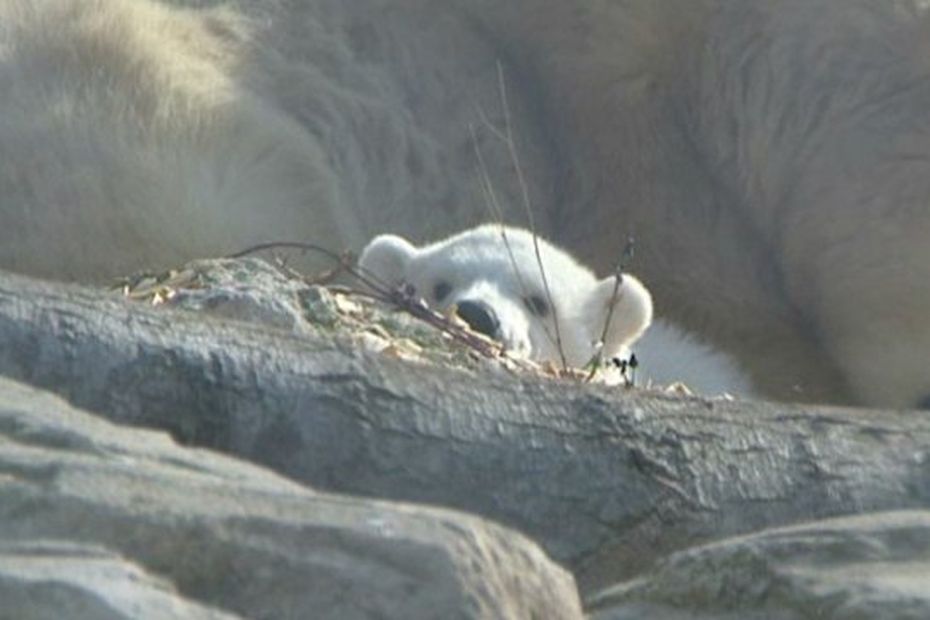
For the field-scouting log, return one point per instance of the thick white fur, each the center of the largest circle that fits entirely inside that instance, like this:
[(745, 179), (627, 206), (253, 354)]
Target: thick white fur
[(139, 133), (772, 158), (498, 267)]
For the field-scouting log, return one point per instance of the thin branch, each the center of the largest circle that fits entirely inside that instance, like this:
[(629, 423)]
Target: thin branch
[(507, 137), (525, 194), (494, 207), (625, 258), (397, 296), (344, 262), (486, 122), (491, 201)]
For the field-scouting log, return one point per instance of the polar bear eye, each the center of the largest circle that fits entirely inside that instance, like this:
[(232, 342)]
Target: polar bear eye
[(537, 305), (441, 290)]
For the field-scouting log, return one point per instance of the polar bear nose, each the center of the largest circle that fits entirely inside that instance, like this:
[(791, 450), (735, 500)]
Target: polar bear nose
[(479, 316)]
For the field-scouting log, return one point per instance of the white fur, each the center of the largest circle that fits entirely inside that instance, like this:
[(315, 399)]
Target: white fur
[(497, 266), (135, 134), (667, 355), (771, 158)]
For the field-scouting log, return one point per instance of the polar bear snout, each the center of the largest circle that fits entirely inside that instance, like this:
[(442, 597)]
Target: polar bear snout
[(489, 277), (480, 317)]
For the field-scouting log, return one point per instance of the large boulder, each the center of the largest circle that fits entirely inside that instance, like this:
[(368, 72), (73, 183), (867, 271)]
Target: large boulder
[(48, 580), (108, 522), (607, 480), (855, 568)]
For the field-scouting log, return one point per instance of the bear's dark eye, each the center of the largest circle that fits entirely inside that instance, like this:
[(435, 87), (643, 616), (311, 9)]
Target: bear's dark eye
[(441, 290), (537, 305)]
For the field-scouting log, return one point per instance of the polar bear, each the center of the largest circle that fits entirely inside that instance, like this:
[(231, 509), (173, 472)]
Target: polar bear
[(545, 305), (135, 134), (491, 276), (771, 158)]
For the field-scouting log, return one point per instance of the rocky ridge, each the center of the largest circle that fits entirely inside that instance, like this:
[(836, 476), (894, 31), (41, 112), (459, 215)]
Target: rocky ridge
[(660, 505)]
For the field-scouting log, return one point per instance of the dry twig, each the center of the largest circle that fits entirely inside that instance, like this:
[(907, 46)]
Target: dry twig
[(401, 297), (506, 136)]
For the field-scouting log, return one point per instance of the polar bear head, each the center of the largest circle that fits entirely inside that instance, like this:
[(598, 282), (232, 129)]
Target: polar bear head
[(490, 277)]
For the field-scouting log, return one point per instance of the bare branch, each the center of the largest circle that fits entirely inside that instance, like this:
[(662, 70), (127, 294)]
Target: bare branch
[(525, 194), (507, 137), (397, 296), (491, 201), (497, 214), (622, 264)]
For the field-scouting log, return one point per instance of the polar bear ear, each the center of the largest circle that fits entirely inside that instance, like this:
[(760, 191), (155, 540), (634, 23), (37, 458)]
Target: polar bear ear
[(386, 258), (631, 316)]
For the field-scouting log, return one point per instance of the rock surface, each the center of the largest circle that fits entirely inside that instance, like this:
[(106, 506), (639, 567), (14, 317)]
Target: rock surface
[(53, 580), (107, 522), (623, 486), (871, 566), (258, 292), (247, 289), (607, 480)]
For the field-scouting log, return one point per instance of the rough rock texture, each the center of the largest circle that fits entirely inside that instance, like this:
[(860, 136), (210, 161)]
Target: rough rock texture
[(51, 580), (110, 522), (256, 291), (873, 566), (247, 289), (606, 480)]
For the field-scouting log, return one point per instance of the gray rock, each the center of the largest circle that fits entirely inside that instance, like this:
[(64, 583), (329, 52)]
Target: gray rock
[(50, 580), (192, 531), (245, 289), (608, 481), (855, 568)]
